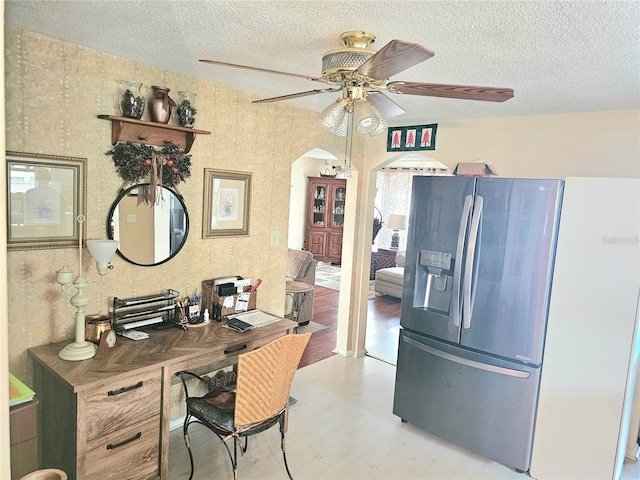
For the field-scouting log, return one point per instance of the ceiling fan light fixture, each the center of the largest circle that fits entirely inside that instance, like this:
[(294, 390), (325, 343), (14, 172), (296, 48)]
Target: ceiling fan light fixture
[(342, 129), (366, 117), (382, 126), (332, 117)]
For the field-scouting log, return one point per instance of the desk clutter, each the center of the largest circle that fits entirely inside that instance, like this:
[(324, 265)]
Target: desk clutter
[(228, 295), (137, 312), (220, 298)]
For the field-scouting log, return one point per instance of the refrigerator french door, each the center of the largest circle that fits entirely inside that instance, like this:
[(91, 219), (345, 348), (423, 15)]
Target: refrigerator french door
[(475, 300)]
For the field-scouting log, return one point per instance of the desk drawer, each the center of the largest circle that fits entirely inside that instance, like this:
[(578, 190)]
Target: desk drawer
[(120, 403), (132, 453)]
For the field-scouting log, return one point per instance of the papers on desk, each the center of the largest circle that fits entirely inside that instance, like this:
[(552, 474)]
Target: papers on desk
[(18, 392), (247, 320)]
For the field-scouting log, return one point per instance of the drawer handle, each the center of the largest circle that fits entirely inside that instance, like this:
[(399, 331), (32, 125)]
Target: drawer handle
[(112, 446), (235, 349), (111, 393)]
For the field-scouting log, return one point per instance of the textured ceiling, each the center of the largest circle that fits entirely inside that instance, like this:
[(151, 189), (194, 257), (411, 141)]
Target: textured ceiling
[(558, 56)]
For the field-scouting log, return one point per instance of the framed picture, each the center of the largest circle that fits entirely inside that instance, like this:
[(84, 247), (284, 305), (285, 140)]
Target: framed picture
[(408, 139), (226, 203), (45, 195)]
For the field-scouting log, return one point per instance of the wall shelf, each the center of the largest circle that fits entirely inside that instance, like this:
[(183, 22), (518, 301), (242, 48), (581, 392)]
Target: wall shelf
[(125, 129)]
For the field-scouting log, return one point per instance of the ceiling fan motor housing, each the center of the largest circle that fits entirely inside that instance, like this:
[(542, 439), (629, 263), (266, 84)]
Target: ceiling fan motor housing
[(351, 56)]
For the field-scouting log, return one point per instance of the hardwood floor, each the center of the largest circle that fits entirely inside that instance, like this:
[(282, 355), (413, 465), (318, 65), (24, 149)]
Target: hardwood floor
[(383, 320), (325, 312)]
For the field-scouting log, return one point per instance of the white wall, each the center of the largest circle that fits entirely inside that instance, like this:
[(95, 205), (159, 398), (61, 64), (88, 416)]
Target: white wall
[(590, 144)]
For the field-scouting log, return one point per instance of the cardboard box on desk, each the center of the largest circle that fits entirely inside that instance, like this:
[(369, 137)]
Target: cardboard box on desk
[(210, 297), (476, 169)]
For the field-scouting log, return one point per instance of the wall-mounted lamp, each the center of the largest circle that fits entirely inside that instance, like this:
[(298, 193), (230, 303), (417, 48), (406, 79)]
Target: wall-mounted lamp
[(101, 251), (396, 222)]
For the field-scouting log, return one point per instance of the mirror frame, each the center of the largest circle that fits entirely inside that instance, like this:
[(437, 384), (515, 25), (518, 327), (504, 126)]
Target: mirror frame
[(125, 191)]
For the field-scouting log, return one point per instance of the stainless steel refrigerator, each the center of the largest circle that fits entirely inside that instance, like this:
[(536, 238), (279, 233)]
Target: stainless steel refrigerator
[(475, 299)]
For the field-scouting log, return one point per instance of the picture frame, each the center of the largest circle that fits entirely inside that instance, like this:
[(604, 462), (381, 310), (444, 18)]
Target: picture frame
[(411, 139), (227, 196), (45, 196)]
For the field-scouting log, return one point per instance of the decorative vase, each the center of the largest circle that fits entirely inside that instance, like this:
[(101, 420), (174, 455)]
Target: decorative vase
[(131, 100), (186, 109), (160, 105)]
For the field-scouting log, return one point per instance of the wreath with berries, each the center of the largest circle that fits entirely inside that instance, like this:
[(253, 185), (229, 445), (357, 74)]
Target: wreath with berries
[(135, 161)]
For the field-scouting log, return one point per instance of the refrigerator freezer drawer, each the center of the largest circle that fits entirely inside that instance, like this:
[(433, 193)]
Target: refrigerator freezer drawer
[(483, 404)]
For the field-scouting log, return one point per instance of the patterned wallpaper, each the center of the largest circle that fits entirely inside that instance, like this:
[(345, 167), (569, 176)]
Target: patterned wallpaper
[(54, 92)]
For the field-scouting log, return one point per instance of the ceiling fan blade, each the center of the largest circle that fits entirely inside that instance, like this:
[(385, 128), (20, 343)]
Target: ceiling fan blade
[(384, 104), (297, 95), (264, 70), (394, 57), (466, 92)]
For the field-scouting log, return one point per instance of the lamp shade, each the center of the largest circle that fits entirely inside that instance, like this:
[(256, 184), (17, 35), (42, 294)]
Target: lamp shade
[(366, 116), (102, 250), (397, 222), (382, 126), (332, 117)]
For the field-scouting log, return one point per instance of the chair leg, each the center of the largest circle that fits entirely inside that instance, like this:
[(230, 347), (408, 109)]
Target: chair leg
[(235, 459), (282, 446), (187, 442)]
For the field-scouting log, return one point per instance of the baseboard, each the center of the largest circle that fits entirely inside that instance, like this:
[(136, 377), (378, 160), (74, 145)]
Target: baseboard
[(173, 424), (350, 353), (633, 454), (343, 353), (360, 353)]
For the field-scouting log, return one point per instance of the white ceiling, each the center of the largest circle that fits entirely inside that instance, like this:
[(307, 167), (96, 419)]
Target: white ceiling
[(558, 56)]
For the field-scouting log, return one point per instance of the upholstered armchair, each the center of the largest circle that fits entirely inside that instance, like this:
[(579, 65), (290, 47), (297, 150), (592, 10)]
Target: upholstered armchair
[(301, 267)]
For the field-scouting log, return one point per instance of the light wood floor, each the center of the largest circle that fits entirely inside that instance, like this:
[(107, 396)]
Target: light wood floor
[(342, 425)]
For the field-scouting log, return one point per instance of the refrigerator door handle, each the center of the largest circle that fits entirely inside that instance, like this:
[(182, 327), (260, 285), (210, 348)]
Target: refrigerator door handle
[(468, 271), (457, 271), (464, 361)]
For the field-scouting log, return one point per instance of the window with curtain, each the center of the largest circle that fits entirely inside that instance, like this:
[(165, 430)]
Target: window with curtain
[(393, 195)]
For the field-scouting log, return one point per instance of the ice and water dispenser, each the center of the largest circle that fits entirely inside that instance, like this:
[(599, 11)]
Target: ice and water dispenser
[(434, 281)]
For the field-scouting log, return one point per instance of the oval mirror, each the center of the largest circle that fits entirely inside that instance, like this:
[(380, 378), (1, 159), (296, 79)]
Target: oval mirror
[(150, 232)]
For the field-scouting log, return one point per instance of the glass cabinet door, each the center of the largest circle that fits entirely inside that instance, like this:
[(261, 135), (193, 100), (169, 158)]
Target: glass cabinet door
[(319, 214), (339, 196)]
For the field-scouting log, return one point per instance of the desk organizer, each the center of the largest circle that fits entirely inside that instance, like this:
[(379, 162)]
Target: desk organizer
[(209, 298), (143, 311)]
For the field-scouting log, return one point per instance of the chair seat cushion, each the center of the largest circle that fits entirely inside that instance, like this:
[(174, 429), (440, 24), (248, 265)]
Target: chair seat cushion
[(215, 407)]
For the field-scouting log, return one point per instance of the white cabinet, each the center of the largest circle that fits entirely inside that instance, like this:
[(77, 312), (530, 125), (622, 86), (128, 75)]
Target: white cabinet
[(592, 345)]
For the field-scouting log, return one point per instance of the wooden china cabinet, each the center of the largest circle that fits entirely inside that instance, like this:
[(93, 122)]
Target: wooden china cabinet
[(326, 199)]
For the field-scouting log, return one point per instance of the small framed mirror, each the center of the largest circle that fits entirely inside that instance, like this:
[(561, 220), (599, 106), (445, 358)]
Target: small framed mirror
[(151, 231)]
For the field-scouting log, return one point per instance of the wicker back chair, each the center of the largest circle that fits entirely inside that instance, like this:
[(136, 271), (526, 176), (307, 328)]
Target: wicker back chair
[(259, 401)]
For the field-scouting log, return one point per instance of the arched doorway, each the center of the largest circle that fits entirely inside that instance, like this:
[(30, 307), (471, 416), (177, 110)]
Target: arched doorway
[(328, 279), (392, 199)]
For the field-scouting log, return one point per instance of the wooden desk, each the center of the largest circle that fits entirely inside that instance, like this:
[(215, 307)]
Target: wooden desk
[(23, 420), (108, 418)]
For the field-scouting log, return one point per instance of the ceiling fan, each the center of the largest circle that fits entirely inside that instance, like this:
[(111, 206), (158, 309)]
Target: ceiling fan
[(362, 74)]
